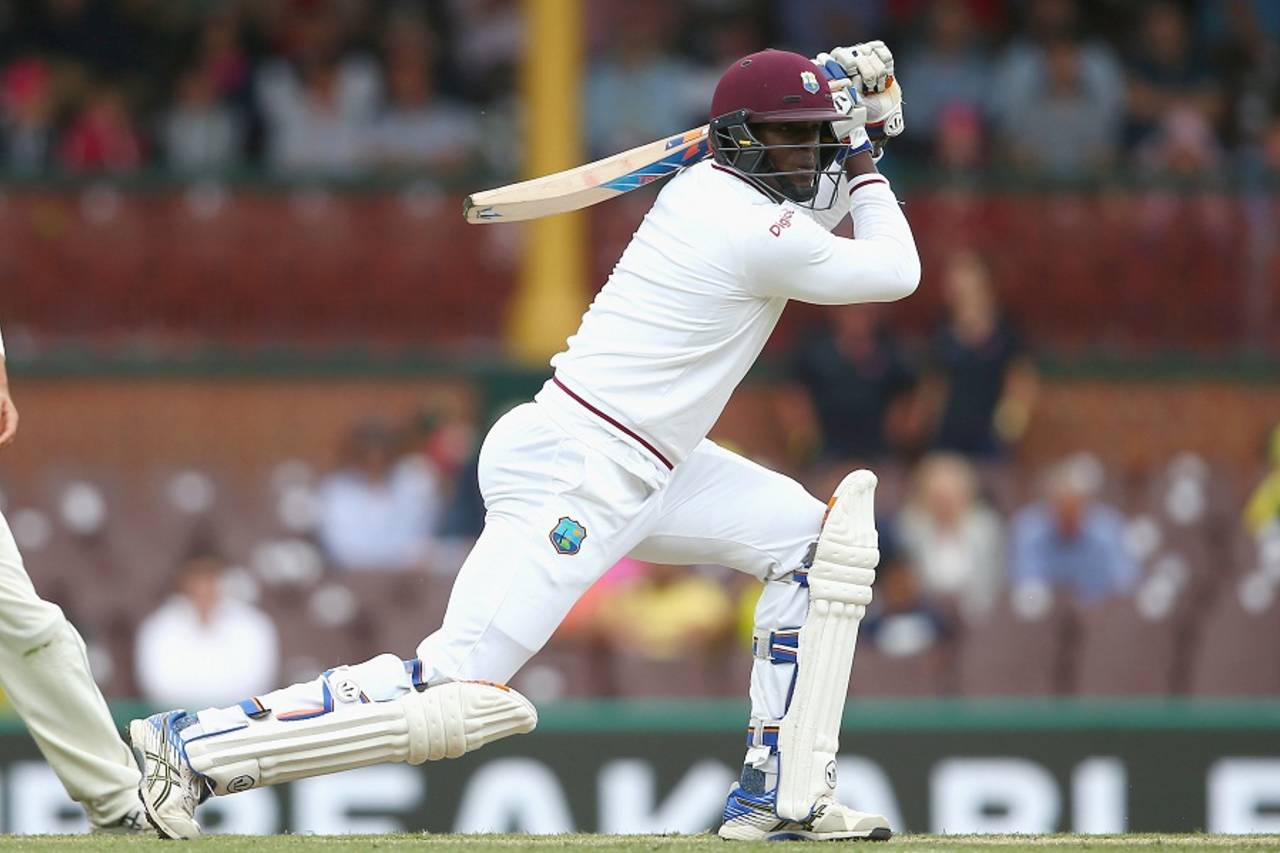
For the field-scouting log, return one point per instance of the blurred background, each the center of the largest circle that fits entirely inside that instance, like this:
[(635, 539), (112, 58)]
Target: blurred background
[(255, 348)]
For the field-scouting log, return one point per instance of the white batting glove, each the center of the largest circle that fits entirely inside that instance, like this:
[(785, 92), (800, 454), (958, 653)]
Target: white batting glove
[(850, 130), (870, 63), (868, 67)]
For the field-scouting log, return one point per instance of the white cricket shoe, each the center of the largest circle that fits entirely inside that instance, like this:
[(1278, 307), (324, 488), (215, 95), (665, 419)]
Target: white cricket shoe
[(170, 789), (751, 817)]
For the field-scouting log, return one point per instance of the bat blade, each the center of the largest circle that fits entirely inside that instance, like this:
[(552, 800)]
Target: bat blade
[(588, 184)]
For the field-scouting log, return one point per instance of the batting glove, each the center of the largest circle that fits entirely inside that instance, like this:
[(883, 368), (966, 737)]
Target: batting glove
[(851, 130), (868, 68)]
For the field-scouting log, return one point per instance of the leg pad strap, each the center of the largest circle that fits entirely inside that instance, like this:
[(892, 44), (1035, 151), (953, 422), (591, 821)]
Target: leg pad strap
[(778, 646)]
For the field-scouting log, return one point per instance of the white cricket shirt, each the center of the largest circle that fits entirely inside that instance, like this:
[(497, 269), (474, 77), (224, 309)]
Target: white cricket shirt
[(697, 293)]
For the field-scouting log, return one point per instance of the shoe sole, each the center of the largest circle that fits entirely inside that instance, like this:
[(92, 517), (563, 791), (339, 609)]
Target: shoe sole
[(880, 833)]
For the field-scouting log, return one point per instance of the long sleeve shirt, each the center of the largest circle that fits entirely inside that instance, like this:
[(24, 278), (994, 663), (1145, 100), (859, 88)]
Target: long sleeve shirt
[(701, 286)]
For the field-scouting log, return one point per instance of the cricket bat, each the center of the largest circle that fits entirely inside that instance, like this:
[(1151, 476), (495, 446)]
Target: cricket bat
[(590, 184)]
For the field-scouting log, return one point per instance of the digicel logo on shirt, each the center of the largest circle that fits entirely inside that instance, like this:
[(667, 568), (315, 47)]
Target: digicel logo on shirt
[(784, 221)]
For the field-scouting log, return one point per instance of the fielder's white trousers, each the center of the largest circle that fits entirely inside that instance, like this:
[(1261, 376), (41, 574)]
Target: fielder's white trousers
[(516, 587), (45, 673)]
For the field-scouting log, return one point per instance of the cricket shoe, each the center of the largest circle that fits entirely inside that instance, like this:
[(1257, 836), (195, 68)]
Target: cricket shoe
[(751, 817), (170, 789), (132, 822)]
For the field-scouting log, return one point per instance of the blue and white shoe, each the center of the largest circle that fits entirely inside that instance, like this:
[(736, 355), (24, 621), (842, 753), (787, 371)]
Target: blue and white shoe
[(170, 790), (751, 817)]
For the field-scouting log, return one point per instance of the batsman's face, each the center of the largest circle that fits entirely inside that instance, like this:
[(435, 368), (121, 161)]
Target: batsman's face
[(803, 135)]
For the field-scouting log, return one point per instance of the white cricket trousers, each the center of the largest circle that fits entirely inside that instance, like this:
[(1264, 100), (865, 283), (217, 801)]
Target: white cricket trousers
[(517, 585), (45, 673)]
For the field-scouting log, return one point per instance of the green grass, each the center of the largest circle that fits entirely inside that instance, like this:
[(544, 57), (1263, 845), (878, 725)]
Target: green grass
[(630, 843)]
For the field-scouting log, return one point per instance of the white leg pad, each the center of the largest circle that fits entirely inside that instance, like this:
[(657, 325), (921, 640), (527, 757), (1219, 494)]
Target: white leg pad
[(443, 721), (839, 592)]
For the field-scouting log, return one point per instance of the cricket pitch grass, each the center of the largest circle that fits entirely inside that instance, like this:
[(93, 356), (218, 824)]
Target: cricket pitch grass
[(629, 843)]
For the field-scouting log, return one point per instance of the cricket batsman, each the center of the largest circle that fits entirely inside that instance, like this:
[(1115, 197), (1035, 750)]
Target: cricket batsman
[(611, 459), (45, 673)]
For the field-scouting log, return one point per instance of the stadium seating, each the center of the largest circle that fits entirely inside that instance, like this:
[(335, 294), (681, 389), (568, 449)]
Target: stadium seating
[(102, 530), (282, 265), (1020, 649)]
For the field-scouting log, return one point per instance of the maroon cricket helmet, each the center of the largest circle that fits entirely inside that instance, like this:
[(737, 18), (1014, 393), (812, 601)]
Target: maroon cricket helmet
[(775, 86)]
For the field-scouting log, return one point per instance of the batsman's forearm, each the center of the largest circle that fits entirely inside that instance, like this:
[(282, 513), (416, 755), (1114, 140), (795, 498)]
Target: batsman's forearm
[(880, 263), (878, 219)]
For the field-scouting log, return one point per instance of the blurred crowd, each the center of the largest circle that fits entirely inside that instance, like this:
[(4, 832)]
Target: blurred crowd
[(1059, 88), (998, 575), (995, 578)]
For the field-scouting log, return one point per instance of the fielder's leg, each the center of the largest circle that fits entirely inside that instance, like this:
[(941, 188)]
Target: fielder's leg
[(46, 674)]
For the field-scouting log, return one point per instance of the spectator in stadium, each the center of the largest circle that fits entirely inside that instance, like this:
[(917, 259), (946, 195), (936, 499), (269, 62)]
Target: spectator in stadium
[(220, 50), (853, 386), (203, 645), (199, 133), (1263, 509), (318, 103), (1271, 141), (1183, 145), (28, 103), (947, 70), (1167, 71), (102, 136), (1070, 541), (450, 447), (960, 143), (664, 612), (982, 386), (954, 541), (1247, 35), (639, 86), (805, 22), (1061, 126), (1022, 71), (719, 36), (902, 619), (445, 438), (419, 129), (380, 509), (487, 39), (462, 519)]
